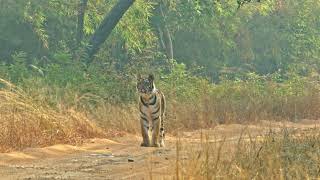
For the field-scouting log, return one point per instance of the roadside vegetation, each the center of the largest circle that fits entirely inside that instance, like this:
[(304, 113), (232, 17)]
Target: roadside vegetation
[(287, 154), (216, 61)]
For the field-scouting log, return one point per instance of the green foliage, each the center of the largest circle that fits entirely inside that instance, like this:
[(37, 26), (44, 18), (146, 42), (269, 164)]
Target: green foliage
[(17, 71), (255, 61), (181, 84), (212, 34)]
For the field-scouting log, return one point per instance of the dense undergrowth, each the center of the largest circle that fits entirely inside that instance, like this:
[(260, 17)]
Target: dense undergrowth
[(63, 102)]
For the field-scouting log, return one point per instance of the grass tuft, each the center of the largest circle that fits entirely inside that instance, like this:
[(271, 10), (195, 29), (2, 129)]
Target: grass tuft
[(25, 122)]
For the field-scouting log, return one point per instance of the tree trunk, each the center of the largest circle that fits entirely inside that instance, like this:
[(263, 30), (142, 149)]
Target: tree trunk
[(107, 25), (168, 41), (161, 40), (165, 36), (81, 13)]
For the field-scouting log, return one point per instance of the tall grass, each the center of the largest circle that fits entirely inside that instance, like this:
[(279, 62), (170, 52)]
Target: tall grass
[(26, 122), (244, 102), (198, 104), (117, 118), (274, 156)]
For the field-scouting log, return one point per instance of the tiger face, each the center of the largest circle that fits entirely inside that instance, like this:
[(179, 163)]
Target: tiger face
[(145, 85)]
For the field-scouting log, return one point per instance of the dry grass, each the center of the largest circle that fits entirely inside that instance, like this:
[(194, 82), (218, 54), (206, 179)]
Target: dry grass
[(117, 118), (210, 111), (285, 155), (25, 122)]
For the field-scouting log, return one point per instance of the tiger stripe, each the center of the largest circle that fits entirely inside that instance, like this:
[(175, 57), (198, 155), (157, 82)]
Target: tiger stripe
[(152, 109)]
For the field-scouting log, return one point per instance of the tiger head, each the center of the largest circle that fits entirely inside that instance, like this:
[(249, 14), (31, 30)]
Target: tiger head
[(145, 85)]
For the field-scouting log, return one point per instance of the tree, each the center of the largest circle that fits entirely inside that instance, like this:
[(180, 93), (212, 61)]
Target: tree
[(164, 34), (106, 26), (82, 8)]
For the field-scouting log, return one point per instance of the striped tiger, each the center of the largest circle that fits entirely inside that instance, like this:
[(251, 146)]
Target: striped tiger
[(152, 109)]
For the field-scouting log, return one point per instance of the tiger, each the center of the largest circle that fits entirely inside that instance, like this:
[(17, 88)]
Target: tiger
[(152, 106)]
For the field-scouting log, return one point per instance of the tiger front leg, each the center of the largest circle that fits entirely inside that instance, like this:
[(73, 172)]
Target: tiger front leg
[(155, 132), (145, 132)]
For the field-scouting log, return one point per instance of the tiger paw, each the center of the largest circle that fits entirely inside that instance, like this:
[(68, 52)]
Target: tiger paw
[(162, 144), (143, 144), (156, 145)]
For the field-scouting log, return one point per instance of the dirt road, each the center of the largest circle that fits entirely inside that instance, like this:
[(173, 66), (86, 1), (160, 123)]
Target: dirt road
[(122, 157)]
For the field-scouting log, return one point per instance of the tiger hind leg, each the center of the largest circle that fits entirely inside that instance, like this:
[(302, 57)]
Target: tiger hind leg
[(162, 135)]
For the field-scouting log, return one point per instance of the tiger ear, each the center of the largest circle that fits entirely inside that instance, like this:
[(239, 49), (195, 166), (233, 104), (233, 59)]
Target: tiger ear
[(151, 77)]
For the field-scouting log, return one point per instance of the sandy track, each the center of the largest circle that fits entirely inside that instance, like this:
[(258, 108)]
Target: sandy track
[(96, 159), (120, 158)]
